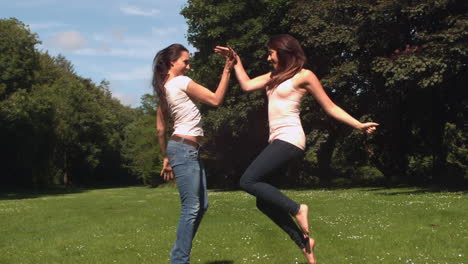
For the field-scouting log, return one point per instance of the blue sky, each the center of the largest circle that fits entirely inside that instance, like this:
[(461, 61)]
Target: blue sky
[(114, 40)]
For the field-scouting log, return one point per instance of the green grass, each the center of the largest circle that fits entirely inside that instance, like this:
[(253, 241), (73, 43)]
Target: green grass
[(137, 225)]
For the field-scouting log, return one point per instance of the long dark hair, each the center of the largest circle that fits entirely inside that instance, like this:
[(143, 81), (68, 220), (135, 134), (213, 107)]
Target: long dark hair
[(291, 58), (161, 66)]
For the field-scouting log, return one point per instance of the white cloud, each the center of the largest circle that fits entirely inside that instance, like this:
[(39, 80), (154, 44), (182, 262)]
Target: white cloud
[(69, 40), (118, 43), (46, 25), (126, 99), (106, 50), (116, 36), (34, 3), (138, 11), (99, 37), (164, 31), (118, 33), (140, 73)]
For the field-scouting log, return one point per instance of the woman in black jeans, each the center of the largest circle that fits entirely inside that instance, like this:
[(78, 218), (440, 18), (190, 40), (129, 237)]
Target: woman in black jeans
[(285, 87)]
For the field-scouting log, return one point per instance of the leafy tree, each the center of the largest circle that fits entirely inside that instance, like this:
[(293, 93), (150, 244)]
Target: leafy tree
[(401, 63), (23, 135), (238, 130), (140, 148), (26, 130), (18, 57), (57, 127)]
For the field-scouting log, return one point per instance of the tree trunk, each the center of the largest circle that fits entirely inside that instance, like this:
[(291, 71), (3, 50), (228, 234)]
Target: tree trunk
[(324, 156), (66, 180)]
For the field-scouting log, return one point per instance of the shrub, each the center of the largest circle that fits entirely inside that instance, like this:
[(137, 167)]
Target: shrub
[(367, 175)]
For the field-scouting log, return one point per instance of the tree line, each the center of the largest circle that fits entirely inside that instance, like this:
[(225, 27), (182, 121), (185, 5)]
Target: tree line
[(402, 64), (58, 128)]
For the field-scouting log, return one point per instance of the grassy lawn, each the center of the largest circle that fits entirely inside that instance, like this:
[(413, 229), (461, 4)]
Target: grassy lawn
[(137, 225)]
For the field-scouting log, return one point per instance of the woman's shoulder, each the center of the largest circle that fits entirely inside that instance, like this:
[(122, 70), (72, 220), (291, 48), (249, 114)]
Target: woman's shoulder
[(305, 73), (181, 82), (304, 76), (181, 78)]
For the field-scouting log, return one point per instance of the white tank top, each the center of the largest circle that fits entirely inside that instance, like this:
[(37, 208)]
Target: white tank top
[(283, 114), (187, 117)]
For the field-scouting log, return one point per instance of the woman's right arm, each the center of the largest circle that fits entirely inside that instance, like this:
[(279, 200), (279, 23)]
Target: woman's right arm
[(243, 78), (204, 95), (166, 171)]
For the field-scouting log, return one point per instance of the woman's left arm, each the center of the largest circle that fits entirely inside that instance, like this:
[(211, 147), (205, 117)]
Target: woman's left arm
[(312, 84)]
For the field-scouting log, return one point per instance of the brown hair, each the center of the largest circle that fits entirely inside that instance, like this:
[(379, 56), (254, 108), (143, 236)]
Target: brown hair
[(291, 58), (161, 65)]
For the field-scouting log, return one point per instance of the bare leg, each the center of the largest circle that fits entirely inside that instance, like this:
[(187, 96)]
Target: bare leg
[(284, 221), (302, 219), (303, 222), (310, 255)]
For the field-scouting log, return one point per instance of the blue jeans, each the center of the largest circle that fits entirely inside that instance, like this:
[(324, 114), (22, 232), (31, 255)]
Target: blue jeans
[(270, 201), (191, 182)]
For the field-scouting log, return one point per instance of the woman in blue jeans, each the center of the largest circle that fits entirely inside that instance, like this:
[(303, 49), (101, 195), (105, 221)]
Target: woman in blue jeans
[(181, 159), (285, 86)]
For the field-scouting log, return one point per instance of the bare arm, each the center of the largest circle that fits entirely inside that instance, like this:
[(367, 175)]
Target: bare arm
[(311, 83), (245, 82), (166, 171), (204, 95)]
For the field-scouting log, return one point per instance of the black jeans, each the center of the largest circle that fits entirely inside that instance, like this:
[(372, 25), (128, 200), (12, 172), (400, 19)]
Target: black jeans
[(257, 181)]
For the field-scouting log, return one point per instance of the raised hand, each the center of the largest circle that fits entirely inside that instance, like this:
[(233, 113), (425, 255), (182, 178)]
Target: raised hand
[(223, 51), (228, 52)]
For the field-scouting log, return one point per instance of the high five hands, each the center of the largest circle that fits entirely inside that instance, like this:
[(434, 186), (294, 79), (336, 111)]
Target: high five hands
[(227, 52)]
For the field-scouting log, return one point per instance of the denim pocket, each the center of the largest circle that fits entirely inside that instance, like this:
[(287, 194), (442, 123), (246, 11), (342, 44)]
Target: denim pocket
[(173, 153), (192, 154)]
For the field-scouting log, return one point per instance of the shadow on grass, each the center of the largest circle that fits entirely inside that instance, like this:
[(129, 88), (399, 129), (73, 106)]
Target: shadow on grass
[(231, 262), (382, 190), (18, 194), (413, 190), (224, 190)]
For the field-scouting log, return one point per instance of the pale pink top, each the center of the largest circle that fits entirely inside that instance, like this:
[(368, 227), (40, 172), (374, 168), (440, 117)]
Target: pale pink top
[(283, 114)]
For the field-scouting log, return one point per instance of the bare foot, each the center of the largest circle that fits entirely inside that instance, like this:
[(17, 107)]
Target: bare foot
[(302, 218), (310, 255)]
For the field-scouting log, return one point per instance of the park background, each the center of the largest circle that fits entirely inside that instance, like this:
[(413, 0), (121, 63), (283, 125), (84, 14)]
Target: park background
[(78, 165), (402, 64)]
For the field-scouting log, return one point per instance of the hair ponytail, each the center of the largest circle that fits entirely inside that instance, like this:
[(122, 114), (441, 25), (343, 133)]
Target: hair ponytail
[(161, 66)]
